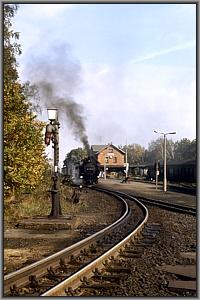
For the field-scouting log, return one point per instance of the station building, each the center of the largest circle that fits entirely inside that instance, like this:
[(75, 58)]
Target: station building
[(111, 159)]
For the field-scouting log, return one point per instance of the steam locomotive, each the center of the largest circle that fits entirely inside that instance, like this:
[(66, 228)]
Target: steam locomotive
[(89, 170), (84, 173)]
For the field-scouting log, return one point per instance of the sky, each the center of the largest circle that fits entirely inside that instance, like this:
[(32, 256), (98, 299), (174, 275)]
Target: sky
[(127, 69)]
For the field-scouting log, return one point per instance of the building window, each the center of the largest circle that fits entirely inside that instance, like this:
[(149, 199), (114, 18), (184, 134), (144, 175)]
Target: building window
[(110, 150), (114, 159), (106, 160)]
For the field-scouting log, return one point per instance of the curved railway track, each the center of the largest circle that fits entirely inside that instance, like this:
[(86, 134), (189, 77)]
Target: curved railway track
[(170, 206), (161, 204), (92, 264), (61, 273)]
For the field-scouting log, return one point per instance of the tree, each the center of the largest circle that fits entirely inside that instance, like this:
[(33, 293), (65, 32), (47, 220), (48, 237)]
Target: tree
[(31, 93), (193, 149), (11, 49), (24, 159), (156, 150), (75, 156), (185, 149), (135, 153)]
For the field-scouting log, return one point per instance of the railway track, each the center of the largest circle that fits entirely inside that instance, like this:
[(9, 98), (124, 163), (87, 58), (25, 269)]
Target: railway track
[(170, 206), (98, 264), (63, 272), (161, 204)]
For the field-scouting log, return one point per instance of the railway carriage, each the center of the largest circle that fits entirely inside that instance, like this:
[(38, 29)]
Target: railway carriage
[(177, 171)]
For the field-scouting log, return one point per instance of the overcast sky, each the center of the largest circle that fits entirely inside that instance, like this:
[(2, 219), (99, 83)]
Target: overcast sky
[(131, 67)]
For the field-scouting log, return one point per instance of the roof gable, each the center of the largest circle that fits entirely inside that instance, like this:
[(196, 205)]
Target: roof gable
[(98, 148)]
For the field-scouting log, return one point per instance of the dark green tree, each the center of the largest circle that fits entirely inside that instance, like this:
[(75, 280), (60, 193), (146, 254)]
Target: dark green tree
[(185, 149), (75, 156)]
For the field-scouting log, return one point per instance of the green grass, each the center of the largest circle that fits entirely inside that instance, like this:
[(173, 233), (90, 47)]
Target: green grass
[(39, 204)]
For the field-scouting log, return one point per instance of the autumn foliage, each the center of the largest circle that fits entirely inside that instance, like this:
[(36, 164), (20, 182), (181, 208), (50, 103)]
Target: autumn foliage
[(24, 158)]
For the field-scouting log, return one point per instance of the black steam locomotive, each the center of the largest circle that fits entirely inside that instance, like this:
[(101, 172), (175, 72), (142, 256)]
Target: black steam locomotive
[(89, 170), (85, 172)]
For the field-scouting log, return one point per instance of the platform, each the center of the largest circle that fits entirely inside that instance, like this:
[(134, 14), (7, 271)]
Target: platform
[(46, 223), (149, 191)]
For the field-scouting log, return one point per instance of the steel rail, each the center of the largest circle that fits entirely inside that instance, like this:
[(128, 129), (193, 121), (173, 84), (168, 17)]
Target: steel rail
[(21, 276), (170, 206), (165, 205), (74, 280)]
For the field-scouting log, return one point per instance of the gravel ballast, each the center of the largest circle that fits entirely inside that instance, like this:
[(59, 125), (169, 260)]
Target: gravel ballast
[(177, 234)]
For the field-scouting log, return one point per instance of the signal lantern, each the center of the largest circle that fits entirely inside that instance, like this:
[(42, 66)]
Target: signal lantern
[(47, 138), (48, 134)]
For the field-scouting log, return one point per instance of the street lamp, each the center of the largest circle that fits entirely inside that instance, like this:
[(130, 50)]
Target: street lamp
[(52, 134), (165, 158)]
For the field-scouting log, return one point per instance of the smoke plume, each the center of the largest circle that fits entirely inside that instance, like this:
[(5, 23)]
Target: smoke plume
[(57, 77)]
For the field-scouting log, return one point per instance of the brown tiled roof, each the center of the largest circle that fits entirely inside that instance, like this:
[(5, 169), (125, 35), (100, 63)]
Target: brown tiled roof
[(98, 148)]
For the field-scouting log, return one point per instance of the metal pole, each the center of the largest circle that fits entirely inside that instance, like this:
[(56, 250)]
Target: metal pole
[(156, 175), (126, 163), (165, 160), (56, 207), (165, 165), (105, 169)]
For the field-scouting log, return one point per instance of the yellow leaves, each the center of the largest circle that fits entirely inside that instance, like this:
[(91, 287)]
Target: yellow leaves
[(23, 142), (24, 158), (13, 97)]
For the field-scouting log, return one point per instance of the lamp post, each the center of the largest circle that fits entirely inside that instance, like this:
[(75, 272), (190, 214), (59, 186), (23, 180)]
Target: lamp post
[(52, 134), (126, 171), (165, 159)]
